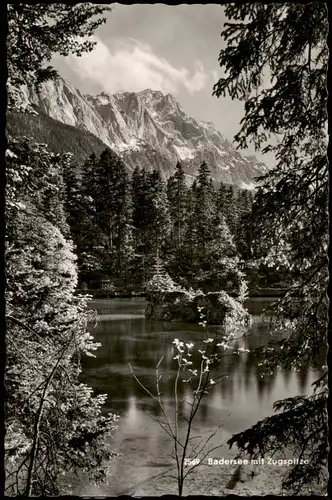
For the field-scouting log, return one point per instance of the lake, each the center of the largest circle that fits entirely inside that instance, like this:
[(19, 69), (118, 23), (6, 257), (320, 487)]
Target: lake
[(236, 403)]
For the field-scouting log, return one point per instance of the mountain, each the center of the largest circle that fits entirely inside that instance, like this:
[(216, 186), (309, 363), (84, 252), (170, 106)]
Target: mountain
[(58, 136), (146, 128)]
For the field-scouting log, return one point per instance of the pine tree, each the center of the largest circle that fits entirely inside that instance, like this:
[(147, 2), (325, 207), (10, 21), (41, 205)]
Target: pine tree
[(231, 212), (125, 242), (50, 416), (89, 238), (221, 199), (73, 198), (290, 206), (244, 233), (190, 219), (139, 201), (137, 182), (81, 217), (219, 268), (176, 194), (204, 201), (158, 214), (113, 206), (89, 177), (188, 254), (45, 179)]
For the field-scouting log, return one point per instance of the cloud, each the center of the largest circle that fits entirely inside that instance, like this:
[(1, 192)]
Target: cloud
[(215, 76), (133, 66)]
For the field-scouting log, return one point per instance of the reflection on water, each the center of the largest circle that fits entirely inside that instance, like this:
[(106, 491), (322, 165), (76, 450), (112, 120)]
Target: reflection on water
[(127, 337)]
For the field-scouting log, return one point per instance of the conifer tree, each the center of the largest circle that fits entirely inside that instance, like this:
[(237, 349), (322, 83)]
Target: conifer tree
[(50, 416), (244, 233), (151, 211), (73, 198), (204, 201), (219, 268), (89, 238), (176, 194), (89, 177), (53, 422), (138, 188), (150, 217), (140, 219), (188, 254), (113, 207), (231, 212), (159, 222), (287, 42)]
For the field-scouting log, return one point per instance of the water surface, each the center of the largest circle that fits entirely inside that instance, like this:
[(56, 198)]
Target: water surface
[(238, 402)]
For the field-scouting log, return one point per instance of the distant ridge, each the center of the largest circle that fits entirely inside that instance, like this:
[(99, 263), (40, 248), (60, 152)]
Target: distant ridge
[(146, 128)]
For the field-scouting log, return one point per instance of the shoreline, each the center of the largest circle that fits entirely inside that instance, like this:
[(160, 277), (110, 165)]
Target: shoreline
[(157, 479), (255, 294)]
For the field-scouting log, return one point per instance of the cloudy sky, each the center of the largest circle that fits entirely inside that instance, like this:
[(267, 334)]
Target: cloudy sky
[(169, 48)]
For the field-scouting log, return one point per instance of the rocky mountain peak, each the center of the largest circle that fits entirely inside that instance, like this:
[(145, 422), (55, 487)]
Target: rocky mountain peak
[(149, 93), (147, 128)]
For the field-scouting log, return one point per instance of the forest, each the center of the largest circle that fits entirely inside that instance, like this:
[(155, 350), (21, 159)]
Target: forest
[(80, 224), (172, 212), (123, 226)]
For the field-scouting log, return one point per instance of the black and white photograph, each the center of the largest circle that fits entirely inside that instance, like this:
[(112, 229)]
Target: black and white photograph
[(166, 249)]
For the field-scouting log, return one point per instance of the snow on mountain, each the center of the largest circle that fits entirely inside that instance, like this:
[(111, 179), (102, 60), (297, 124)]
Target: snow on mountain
[(147, 128), (184, 153), (249, 187)]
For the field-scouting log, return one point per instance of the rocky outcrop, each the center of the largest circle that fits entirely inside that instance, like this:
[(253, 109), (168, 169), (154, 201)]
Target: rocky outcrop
[(216, 308)]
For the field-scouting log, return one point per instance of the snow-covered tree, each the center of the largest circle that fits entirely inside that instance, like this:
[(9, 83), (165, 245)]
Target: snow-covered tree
[(53, 422)]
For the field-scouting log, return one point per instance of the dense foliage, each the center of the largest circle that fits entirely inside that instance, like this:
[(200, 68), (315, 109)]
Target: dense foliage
[(54, 423), (120, 227), (286, 44), (136, 221), (81, 218)]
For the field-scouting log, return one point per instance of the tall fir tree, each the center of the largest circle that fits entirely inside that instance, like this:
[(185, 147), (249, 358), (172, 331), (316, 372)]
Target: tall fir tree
[(176, 194), (188, 250), (113, 207), (221, 199), (244, 233), (36, 32), (91, 252), (50, 416), (231, 209), (286, 43), (159, 221), (53, 422), (204, 207)]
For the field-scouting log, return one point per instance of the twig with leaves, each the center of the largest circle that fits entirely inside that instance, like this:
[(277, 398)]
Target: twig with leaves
[(199, 378)]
